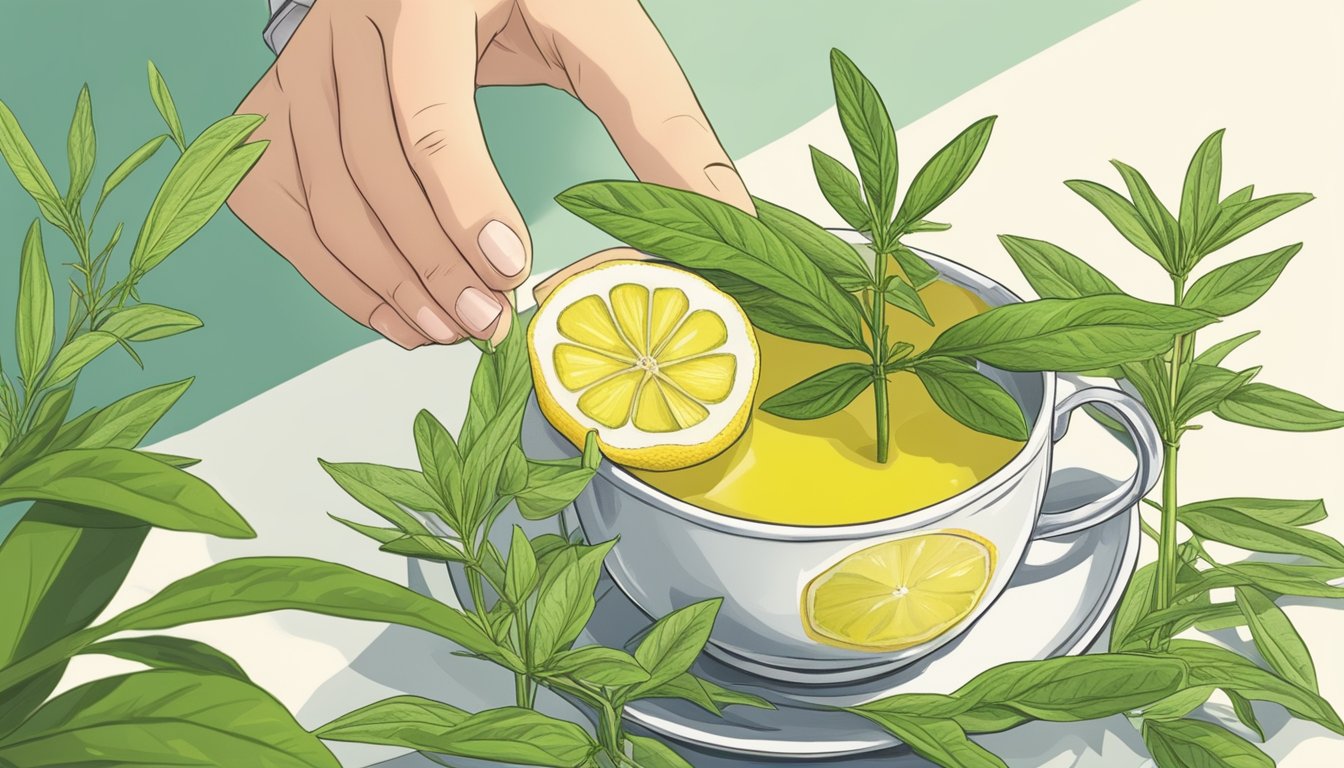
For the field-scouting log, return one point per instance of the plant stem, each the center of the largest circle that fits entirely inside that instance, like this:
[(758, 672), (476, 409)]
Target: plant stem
[(609, 733), (1167, 563), (523, 686), (879, 330)]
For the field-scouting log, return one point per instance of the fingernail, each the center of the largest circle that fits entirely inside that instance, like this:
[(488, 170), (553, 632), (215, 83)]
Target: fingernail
[(432, 324), (728, 186), (476, 310), (502, 248)]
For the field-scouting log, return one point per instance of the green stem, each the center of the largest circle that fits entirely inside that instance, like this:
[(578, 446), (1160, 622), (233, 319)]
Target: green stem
[(1164, 587), (609, 733), (523, 687), (879, 354)]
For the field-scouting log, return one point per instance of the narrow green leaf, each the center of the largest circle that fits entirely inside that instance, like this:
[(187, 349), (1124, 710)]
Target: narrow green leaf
[(1269, 407), (701, 233), (566, 600), (902, 295), (1053, 272), (1199, 195), (872, 139), (394, 721), (377, 533), (1178, 704), (51, 413), (553, 485), (840, 187), (128, 166), (917, 271), (1277, 639), (1074, 688), (1237, 220), (1150, 377), (521, 572), (125, 482), (131, 720), (1285, 579), (821, 394), (23, 161), (35, 322), (1123, 216), (124, 423), (1205, 386), (147, 322), (440, 460), (837, 258), (703, 693), (972, 398), (166, 652), (72, 357), (942, 742), (1241, 706), (1136, 603), (499, 390), (163, 101), (1197, 744), (1271, 511), (1161, 225), (924, 225), (1242, 195), (1068, 334), (945, 172), (425, 547), (652, 753), (80, 147), (1233, 287), (1215, 354), (773, 313), (1233, 526), (386, 490), (598, 666), (674, 642)]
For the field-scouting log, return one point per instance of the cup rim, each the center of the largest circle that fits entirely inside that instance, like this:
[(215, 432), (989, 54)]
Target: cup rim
[(958, 274)]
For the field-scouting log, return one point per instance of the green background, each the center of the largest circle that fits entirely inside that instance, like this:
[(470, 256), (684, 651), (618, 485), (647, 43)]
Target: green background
[(759, 68)]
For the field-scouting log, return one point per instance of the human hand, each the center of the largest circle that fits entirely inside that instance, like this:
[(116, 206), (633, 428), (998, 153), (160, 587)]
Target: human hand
[(378, 186)]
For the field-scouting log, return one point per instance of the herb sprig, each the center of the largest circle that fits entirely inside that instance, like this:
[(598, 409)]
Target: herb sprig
[(1174, 594), (532, 601), (800, 281)]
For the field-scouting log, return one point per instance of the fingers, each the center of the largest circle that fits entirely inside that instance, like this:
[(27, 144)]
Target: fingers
[(621, 68), (372, 153), (429, 51)]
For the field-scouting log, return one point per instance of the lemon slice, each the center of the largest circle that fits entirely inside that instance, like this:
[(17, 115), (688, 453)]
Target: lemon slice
[(658, 361), (899, 593)]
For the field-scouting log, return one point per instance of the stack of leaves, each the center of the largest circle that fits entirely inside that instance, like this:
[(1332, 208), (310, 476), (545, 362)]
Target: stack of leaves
[(1173, 595), (800, 281), (530, 603)]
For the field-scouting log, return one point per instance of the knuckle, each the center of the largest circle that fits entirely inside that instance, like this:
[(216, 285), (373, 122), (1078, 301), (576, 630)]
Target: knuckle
[(427, 132)]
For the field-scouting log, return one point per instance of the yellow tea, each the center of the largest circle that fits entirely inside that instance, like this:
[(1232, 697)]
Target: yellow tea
[(821, 472)]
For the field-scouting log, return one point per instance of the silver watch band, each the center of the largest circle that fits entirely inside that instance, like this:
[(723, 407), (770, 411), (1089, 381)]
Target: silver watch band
[(285, 18)]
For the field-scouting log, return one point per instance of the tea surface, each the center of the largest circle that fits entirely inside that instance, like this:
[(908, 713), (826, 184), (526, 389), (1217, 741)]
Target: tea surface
[(821, 472)]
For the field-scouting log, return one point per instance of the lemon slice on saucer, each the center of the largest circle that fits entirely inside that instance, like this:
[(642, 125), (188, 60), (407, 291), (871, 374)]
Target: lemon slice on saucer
[(658, 361), (899, 593)]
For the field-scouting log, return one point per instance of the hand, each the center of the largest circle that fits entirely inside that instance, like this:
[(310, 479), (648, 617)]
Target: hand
[(378, 186)]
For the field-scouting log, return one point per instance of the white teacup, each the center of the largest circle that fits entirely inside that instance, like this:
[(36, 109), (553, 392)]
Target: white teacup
[(671, 553)]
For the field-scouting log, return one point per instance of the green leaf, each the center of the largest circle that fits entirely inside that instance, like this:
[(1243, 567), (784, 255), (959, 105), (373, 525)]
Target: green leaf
[(386, 490), (553, 485), (23, 161), (513, 472), (505, 735), (924, 225), (1271, 511), (1236, 220), (165, 652), (181, 462), (1150, 377), (652, 753), (1241, 706), (942, 742), (1277, 639), (35, 322), (566, 601), (123, 481), (1205, 386), (1068, 334), (1123, 216), (709, 696), (72, 357), (918, 271), (425, 547), (1199, 195), (598, 666), (80, 147), (1161, 225), (521, 572), (701, 233), (1197, 744), (1178, 704), (197, 185), (128, 166), (902, 295), (1074, 688), (1212, 665), (840, 187), (972, 398), (945, 172), (163, 101), (674, 642), (1136, 603), (1053, 272), (146, 322), (1269, 407), (377, 533), (136, 719), (124, 423), (1283, 578), (1215, 354), (51, 413), (837, 258), (1242, 195), (821, 394), (1239, 529), (1233, 287), (440, 460), (772, 313), (872, 139)]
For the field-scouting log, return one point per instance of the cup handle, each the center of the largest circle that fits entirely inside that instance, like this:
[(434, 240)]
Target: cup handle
[(1147, 447)]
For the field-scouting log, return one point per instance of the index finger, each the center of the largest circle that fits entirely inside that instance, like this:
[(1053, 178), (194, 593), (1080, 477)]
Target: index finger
[(621, 68)]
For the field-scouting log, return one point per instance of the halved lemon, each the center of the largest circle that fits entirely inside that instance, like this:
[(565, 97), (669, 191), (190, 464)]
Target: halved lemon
[(900, 593), (658, 361)]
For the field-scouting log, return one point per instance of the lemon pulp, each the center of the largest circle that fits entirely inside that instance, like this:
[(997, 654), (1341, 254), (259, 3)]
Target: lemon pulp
[(823, 472), (899, 593)]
